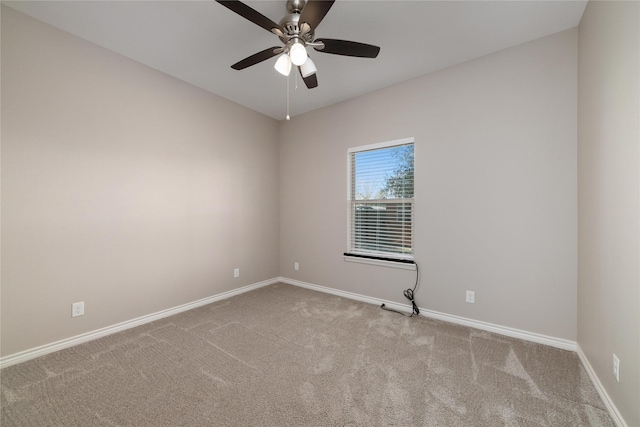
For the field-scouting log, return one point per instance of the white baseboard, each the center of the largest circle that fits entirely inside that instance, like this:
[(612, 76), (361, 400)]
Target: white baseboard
[(485, 326), (503, 330), (611, 407), (23, 356)]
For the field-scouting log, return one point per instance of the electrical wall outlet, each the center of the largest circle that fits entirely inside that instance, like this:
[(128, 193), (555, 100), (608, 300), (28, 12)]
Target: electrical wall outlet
[(77, 309), (471, 297), (616, 367), (236, 272), (296, 266)]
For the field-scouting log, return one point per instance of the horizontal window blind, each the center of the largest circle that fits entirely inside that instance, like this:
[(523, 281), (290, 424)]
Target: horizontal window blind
[(381, 201)]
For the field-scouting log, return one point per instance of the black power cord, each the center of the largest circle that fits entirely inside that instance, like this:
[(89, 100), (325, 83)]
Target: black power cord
[(409, 295)]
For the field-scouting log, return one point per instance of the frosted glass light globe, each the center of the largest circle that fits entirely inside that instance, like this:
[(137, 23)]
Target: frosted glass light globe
[(298, 54), (308, 68), (283, 65)]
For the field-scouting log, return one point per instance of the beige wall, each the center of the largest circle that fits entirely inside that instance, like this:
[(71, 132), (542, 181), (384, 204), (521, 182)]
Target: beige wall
[(495, 155), (122, 187), (609, 198)]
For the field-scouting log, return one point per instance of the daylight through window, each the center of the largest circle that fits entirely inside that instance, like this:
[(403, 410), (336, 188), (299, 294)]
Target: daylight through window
[(381, 200)]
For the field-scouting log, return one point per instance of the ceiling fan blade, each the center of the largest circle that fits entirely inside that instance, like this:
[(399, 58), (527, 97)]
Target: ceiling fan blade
[(311, 81), (314, 11), (249, 13), (348, 48), (257, 57)]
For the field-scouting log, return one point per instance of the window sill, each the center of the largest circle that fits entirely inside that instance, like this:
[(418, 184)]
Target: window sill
[(380, 262)]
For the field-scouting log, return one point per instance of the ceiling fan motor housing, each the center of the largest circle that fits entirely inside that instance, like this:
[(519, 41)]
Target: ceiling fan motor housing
[(295, 6), (290, 28)]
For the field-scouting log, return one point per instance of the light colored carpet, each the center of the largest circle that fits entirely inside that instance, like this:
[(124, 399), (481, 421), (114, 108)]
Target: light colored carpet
[(287, 356)]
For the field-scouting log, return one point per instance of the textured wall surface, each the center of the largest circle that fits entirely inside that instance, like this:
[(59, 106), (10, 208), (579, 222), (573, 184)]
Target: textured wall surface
[(122, 187), (609, 198), (495, 191)]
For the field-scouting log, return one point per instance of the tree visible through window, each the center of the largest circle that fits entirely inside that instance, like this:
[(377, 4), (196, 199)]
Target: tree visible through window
[(381, 199)]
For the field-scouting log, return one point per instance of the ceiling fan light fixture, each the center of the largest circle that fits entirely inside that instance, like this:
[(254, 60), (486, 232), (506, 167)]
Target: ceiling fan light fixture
[(283, 65), (296, 32), (308, 68), (298, 53)]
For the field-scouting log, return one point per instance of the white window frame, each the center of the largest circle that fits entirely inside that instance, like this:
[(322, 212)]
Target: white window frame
[(396, 260)]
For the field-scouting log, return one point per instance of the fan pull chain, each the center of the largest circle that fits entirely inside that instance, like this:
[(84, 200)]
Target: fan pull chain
[(288, 118)]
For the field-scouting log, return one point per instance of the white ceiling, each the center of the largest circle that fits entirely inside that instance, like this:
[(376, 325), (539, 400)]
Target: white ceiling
[(197, 41)]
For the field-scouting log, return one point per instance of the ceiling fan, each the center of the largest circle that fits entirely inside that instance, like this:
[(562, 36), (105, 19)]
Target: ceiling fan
[(297, 32)]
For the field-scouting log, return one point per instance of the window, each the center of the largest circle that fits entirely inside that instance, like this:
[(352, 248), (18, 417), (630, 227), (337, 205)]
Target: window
[(381, 200)]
